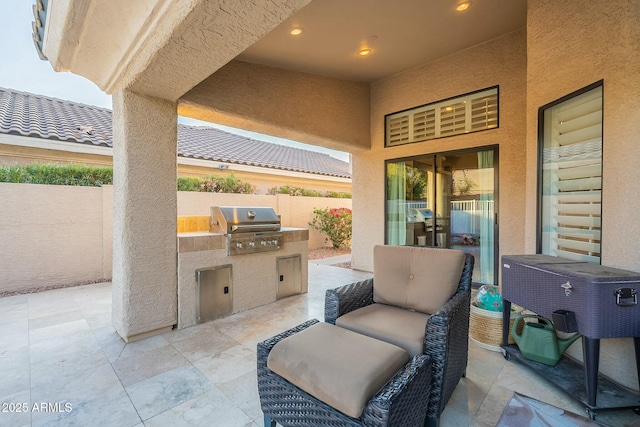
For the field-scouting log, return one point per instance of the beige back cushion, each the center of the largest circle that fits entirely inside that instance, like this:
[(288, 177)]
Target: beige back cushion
[(417, 278)]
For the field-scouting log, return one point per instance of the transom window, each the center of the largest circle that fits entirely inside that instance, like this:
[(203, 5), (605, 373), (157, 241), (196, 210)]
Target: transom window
[(468, 113)]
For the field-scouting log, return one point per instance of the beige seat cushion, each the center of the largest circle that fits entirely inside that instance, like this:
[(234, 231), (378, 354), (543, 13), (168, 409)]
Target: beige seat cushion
[(339, 367), (417, 278), (395, 325)]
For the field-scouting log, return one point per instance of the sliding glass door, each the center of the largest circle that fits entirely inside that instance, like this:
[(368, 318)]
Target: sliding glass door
[(446, 200)]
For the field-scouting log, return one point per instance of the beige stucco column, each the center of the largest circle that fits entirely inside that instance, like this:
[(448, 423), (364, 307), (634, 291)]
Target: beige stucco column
[(144, 203)]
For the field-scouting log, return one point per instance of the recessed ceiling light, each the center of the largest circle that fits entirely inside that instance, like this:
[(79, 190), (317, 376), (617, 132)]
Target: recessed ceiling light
[(462, 6), (296, 31), (364, 52)]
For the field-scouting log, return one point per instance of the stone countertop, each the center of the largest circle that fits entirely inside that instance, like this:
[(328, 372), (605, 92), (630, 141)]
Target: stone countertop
[(199, 234), (285, 229)]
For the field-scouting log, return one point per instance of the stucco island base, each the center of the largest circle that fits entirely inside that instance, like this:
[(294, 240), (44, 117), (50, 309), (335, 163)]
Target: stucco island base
[(254, 281)]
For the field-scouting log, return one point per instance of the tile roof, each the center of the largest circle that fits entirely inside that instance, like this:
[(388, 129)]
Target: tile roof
[(39, 116)]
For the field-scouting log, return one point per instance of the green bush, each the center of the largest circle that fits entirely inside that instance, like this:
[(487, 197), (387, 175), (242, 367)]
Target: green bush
[(215, 184), (231, 184), (299, 191), (189, 183), (228, 184), (96, 176), (338, 195), (57, 174), (335, 223), (294, 191)]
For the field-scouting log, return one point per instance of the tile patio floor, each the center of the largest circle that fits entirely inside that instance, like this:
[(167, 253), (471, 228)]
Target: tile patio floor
[(59, 347)]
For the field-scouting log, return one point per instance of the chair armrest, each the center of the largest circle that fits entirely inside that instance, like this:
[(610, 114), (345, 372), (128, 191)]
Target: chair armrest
[(402, 400), (467, 272), (447, 343), (347, 298)]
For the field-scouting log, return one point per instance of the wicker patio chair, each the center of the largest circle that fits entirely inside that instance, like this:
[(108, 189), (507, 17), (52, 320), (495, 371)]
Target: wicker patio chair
[(399, 403), (445, 335)]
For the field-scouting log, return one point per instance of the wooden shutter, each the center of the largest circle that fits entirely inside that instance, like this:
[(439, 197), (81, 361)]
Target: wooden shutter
[(463, 114), (484, 111), (424, 124), (398, 129), (572, 174)]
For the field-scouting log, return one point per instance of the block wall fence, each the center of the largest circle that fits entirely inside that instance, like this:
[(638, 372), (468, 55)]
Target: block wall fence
[(55, 236)]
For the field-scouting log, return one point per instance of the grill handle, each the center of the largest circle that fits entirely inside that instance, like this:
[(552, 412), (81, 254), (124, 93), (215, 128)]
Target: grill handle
[(254, 227)]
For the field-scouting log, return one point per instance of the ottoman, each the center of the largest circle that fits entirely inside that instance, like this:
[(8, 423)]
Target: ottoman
[(318, 374)]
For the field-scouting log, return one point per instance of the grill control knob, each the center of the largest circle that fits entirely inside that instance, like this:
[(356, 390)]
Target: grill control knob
[(263, 243), (274, 242), (252, 244), (238, 245)]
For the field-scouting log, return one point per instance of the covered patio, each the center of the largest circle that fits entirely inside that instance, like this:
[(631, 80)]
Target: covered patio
[(59, 348), (236, 63)]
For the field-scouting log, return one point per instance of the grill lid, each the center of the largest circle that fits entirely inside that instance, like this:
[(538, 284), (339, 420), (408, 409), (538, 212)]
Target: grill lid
[(241, 219)]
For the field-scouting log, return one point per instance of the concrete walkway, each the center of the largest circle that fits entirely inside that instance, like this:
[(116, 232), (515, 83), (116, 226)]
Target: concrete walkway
[(333, 260)]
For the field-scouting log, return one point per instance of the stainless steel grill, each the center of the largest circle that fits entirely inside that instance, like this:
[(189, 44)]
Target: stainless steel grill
[(248, 229)]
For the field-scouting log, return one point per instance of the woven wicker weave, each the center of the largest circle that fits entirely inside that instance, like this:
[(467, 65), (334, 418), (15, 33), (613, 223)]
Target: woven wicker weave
[(399, 403), (446, 337)]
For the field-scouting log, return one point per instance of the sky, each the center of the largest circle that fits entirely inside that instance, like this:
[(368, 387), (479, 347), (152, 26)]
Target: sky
[(21, 69)]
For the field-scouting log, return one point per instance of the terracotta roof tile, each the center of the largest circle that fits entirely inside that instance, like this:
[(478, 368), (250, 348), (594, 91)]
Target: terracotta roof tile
[(38, 116)]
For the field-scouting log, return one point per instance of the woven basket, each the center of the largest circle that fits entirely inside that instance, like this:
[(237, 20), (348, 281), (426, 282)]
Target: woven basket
[(485, 327)]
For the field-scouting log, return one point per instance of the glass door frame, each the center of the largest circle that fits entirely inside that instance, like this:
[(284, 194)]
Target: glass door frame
[(432, 195)]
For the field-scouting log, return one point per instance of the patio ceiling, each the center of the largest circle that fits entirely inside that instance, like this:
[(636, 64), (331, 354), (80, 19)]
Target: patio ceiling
[(142, 51), (401, 35), (184, 51), (319, 79)]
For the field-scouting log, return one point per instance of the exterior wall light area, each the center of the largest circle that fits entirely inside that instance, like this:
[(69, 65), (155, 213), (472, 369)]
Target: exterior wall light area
[(296, 31), (462, 6), (364, 52)]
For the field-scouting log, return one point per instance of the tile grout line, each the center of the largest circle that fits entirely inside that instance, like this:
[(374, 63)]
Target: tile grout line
[(93, 332)]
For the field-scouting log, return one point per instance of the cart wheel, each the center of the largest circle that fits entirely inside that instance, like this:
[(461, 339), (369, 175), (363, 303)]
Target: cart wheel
[(506, 354), (591, 413), (636, 410)]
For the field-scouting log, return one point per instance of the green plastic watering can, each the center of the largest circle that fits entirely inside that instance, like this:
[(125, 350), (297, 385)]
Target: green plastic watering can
[(538, 341)]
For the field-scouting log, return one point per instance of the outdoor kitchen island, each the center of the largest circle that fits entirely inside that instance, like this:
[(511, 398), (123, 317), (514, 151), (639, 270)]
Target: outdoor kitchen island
[(212, 271)]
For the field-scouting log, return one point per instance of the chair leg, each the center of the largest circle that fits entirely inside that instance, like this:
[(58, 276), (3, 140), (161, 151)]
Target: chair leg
[(431, 422), (268, 422)]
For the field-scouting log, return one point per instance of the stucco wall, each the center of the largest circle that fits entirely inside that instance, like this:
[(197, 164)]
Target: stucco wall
[(319, 110), (499, 62), (47, 238), (15, 154), (53, 236), (571, 45)]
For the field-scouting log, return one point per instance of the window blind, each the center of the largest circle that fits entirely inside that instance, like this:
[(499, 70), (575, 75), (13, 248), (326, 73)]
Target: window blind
[(572, 178), (464, 114)]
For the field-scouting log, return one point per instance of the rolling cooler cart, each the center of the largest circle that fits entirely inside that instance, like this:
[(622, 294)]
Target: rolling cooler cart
[(594, 300)]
